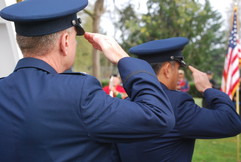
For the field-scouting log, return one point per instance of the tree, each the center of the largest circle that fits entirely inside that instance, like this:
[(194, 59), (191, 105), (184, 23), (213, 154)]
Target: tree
[(96, 16), (187, 18), (83, 59)]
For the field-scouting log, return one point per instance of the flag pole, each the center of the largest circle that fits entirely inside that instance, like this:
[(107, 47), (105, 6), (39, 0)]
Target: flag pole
[(238, 136), (237, 91)]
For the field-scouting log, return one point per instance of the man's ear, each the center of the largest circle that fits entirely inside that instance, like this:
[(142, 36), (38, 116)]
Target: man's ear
[(64, 43), (167, 69)]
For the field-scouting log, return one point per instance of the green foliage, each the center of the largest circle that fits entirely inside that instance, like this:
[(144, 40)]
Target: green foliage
[(193, 91), (129, 27), (187, 18), (83, 59), (104, 82)]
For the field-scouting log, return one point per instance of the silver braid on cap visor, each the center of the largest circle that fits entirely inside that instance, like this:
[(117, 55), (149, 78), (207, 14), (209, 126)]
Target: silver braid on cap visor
[(179, 59)]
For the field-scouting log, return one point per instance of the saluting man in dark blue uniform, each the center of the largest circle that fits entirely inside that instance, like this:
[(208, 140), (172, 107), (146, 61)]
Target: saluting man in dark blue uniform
[(48, 116), (192, 121)]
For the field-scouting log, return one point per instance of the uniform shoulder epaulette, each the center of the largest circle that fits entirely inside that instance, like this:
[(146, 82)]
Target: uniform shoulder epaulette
[(74, 73)]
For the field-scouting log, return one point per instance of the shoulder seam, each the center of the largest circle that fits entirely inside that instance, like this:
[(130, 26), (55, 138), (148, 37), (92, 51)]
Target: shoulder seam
[(74, 73)]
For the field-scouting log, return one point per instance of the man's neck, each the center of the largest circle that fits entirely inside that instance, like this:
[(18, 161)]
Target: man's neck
[(53, 61)]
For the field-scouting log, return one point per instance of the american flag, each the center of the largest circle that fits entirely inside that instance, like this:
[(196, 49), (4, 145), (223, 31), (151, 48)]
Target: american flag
[(231, 74)]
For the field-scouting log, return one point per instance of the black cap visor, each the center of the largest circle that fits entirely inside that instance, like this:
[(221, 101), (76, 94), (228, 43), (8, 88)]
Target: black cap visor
[(79, 29), (179, 59)]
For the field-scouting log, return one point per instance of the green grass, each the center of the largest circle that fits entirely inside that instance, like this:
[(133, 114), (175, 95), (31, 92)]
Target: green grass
[(217, 150), (198, 101)]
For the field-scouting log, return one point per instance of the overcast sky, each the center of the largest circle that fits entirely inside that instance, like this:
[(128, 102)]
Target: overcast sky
[(223, 6)]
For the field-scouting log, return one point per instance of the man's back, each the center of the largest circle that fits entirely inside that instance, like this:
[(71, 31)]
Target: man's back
[(47, 116), (41, 115)]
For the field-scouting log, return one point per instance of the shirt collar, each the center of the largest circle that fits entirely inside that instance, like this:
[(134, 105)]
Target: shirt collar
[(30, 62)]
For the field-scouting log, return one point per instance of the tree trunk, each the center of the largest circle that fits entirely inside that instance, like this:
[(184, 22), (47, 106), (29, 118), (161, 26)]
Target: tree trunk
[(98, 12)]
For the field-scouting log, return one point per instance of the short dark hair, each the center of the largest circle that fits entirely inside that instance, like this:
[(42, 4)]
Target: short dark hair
[(157, 66), (114, 75)]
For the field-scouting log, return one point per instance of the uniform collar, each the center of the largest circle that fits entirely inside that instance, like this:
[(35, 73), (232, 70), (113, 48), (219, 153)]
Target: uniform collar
[(163, 86), (30, 62)]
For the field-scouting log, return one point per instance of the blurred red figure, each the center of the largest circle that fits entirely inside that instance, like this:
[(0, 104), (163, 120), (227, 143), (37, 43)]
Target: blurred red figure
[(115, 89), (182, 83)]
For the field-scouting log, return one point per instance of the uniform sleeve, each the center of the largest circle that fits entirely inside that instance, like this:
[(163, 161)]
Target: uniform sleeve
[(221, 120), (147, 114)]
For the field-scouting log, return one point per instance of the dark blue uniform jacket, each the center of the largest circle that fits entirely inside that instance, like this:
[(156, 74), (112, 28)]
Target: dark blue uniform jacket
[(192, 122), (46, 116)]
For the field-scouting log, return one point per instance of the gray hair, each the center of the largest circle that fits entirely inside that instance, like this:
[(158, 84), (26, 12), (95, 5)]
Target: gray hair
[(39, 45)]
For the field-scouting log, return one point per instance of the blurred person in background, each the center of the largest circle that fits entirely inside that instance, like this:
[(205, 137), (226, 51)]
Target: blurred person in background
[(182, 83), (212, 80), (115, 88)]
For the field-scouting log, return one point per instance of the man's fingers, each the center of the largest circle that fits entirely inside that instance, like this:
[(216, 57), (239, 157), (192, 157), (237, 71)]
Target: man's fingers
[(192, 68), (93, 39), (111, 49), (88, 35)]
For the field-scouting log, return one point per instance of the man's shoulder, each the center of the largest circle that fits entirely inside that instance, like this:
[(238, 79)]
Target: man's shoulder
[(74, 73), (176, 94), (77, 78)]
